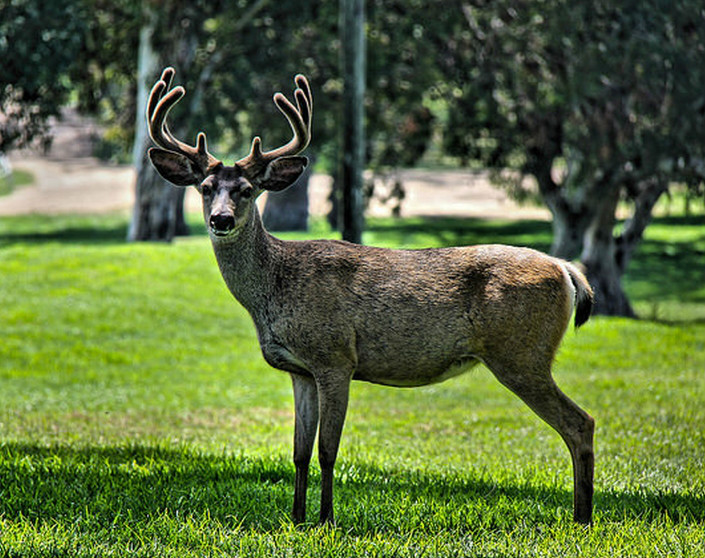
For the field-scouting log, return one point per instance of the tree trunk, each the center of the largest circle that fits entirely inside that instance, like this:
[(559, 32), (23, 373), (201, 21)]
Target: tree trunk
[(288, 210), (157, 204), (571, 216), (601, 261), (569, 228), (158, 211), (352, 36), (607, 257), (604, 275), (333, 216)]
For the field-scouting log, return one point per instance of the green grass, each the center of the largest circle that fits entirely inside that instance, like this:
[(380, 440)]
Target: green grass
[(138, 418), (16, 179)]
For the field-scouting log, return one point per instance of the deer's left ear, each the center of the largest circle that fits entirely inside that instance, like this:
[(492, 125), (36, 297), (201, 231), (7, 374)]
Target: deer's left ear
[(282, 172)]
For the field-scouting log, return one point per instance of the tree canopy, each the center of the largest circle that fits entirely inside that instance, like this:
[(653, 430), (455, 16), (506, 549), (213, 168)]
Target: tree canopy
[(600, 104), (39, 43)]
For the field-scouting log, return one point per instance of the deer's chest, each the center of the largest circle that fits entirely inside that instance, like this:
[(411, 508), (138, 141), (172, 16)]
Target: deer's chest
[(280, 357)]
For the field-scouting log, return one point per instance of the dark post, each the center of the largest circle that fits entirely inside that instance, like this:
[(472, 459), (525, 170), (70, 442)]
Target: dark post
[(352, 35)]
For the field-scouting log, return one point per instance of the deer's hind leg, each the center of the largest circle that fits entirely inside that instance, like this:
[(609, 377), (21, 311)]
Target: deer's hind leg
[(535, 386)]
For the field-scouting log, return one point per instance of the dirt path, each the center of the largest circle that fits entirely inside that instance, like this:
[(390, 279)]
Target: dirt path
[(68, 182), (71, 186), (87, 186)]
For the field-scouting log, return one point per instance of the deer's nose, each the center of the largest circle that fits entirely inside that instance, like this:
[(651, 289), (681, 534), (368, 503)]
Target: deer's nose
[(222, 223)]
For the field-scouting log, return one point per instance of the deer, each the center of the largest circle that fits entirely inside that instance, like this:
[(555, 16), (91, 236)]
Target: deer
[(328, 312)]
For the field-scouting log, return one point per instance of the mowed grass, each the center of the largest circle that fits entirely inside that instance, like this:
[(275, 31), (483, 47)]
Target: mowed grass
[(138, 418)]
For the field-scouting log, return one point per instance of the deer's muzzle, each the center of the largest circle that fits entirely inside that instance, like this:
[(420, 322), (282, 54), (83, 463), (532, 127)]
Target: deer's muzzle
[(222, 224)]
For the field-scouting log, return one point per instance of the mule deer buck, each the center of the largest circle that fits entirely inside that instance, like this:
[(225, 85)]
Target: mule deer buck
[(328, 312)]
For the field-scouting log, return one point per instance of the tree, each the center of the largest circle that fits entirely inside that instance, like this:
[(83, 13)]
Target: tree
[(309, 32), (102, 78), (170, 35), (155, 213), (230, 82), (601, 103), (401, 72), (212, 66), (39, 43)]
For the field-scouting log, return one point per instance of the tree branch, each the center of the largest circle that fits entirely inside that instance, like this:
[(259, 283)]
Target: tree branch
[(649, 192)]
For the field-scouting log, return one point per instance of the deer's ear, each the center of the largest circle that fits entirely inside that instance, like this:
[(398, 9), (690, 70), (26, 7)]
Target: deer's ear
[(174, 167), (282, 172)]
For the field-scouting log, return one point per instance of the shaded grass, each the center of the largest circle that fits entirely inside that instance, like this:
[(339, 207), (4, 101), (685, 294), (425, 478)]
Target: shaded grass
[(157, 501), (667, 275), (422, 232), (138, 417)]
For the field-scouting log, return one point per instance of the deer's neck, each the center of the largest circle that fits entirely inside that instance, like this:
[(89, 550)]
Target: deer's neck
[(247, 261)]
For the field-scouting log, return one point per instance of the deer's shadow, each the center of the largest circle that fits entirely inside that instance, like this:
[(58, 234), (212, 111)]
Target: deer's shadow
[(98, 485)]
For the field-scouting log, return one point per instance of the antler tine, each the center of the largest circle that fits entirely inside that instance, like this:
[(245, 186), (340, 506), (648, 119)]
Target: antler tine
[(305, 88), (161, 101), (299, 118)]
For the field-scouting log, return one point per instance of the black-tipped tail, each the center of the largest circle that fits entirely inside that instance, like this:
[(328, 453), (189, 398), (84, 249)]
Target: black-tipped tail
[(584, 297)]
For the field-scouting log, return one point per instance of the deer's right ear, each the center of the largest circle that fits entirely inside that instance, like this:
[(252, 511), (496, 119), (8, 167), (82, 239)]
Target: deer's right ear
[(174, 167)]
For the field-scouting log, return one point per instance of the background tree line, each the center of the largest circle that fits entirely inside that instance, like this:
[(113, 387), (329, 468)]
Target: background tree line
[(590, 106)]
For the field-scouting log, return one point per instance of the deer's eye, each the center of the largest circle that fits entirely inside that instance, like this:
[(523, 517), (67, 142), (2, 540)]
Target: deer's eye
[(206, 190), (246, 193)]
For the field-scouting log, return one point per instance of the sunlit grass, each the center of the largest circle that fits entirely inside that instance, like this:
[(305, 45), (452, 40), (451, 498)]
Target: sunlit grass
[(137, 416)]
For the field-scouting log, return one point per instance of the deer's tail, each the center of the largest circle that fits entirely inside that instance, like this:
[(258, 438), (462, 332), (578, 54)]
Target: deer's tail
[(584, 296)]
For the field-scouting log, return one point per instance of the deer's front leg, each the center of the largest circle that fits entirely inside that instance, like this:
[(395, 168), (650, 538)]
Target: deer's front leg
[(333, 391), (306, 422)]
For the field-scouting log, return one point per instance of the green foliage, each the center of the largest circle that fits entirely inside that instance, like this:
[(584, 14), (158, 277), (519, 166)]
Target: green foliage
[(285, 38), (606, 89), (39, 43), (231, 57), (103, 80), (138, 417)]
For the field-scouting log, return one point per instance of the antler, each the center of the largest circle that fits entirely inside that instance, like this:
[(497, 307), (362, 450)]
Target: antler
[(161, 101), (299, 118)]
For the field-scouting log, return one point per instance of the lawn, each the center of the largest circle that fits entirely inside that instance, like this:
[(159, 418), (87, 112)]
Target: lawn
[(138, 418), (16, 179)]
